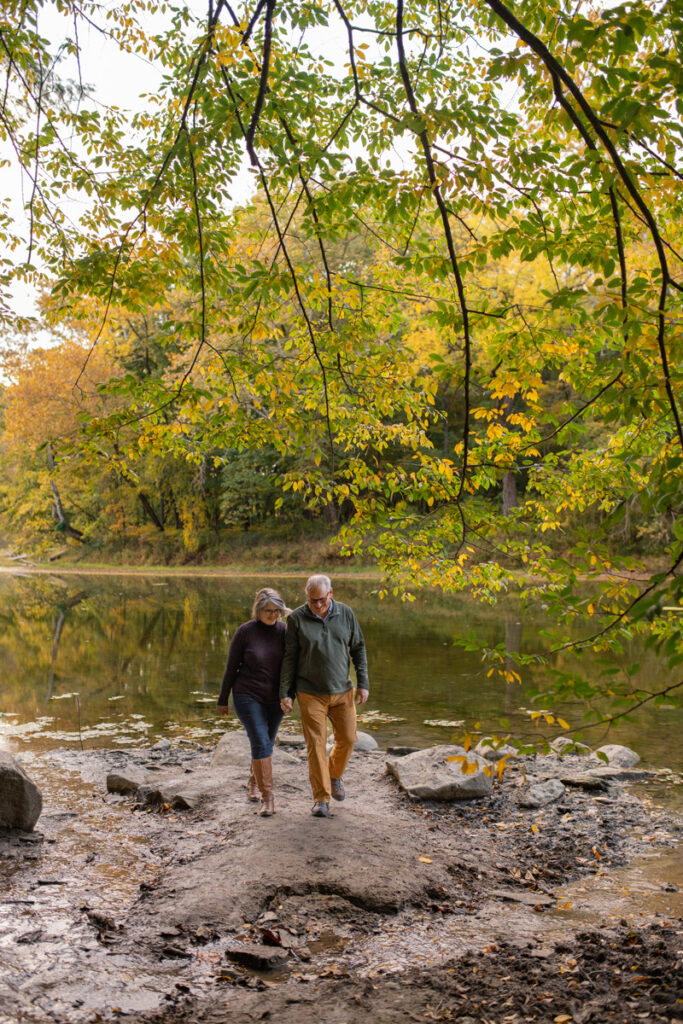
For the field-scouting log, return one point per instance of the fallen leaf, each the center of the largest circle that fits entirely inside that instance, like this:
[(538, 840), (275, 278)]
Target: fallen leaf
[(425, 860)]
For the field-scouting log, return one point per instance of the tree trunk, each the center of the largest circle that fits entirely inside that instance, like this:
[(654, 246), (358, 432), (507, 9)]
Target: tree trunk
[(147, 505), (509, 493), (57, 507)]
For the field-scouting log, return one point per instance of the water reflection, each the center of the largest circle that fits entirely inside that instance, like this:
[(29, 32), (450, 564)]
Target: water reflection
[(145, 657)]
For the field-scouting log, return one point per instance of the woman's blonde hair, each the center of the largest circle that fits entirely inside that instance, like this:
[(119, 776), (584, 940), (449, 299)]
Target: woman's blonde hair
[(265, 596)]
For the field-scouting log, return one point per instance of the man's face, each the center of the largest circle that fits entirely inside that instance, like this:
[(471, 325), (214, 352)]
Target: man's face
[(318, 600)]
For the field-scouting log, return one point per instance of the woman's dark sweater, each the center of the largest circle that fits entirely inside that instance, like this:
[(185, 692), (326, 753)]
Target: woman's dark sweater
[(254, 661)]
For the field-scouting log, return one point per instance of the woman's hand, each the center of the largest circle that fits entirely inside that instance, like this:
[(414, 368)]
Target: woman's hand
[(223, 709), (286, 704)]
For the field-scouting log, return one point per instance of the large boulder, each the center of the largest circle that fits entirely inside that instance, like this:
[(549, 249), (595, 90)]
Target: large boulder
[(444, 772), (20, 799), (232, 750)]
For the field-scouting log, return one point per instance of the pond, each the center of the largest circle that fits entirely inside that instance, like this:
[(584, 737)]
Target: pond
[(122, 661)]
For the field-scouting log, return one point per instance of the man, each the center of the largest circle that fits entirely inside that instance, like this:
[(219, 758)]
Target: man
[(322, 638)]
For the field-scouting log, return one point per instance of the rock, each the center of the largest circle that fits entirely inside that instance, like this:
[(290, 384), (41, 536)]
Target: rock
[(365, 743), (493, 750), (430, 775), (20, 798), (564, 744), (613, 774), (541, 793), (161, 745), (125, 781), (618, 756), (586, 780), (291, 740), (260, 958), (526, 896), (174, 793), (232, 749)]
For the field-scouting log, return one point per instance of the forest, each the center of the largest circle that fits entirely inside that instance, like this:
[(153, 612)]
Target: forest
[(408, 274)]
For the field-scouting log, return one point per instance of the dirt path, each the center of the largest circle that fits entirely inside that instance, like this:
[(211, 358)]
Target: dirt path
[(390, 910)]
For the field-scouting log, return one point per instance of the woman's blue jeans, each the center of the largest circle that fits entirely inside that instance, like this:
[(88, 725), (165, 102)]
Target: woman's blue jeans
[(261, 722)]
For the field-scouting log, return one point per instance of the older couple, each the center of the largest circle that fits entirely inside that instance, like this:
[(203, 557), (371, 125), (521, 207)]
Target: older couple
[(269, 666)]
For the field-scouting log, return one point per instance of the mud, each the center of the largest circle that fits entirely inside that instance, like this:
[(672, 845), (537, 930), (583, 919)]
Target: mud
[(399, 911)]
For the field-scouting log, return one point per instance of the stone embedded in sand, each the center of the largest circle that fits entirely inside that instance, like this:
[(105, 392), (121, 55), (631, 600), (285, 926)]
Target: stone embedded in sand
[(430, 775), (618, 756), (260, 958), (294, 740), (125, 780), (20, 798), (541, 793)]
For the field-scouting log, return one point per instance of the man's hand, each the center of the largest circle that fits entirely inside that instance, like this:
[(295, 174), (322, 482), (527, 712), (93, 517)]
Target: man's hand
[(286, 704), (223, 709), (362, 696)]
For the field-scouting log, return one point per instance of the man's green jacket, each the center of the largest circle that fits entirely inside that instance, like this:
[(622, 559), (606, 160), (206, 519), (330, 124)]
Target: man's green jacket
[(318, 652)]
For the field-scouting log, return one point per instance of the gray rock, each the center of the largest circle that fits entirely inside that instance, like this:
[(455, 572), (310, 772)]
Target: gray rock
[(586, 780), (294, 740), (618, 756), (365, 743), (125, 780), (260, 958), (541, 793), (529, 897), (613, 774), (493, 750), (232, 749), (161, 745), (562, 744), (20, 799), (430, 775)]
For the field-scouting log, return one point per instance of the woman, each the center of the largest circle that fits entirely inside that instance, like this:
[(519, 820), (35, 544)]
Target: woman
[(253, 675)]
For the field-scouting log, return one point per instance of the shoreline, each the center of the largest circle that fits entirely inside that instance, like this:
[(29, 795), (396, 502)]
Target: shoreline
[(390, 907), (215, 571)]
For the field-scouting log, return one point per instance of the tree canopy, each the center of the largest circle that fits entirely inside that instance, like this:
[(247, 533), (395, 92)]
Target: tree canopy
[(450, 303)]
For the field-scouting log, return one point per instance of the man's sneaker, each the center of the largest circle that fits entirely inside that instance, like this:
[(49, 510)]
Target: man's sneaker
[(321, 809), (337, 786)]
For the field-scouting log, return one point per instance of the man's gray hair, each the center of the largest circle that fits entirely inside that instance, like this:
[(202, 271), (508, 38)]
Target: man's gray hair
[(317, 582), (269, 596)]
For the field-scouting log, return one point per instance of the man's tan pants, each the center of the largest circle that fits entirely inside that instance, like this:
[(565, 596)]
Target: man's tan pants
[(315, 710)]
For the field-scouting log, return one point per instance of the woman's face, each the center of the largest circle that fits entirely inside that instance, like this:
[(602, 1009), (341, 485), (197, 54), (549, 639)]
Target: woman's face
[(269, 614)]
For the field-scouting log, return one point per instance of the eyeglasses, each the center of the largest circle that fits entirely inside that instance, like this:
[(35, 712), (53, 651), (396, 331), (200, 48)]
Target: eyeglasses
[(319, 600), (271, 611)]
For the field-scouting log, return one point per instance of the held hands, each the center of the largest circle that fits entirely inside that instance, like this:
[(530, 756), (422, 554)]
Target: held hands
[(286, 704), (362, 696)]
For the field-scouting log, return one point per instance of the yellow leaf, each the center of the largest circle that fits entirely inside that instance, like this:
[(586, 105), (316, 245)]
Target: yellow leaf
[(425, 860), (562, 724), (562, 1018)]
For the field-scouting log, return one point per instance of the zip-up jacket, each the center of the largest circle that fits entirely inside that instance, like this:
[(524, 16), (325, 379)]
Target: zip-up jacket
[(319, 652)]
